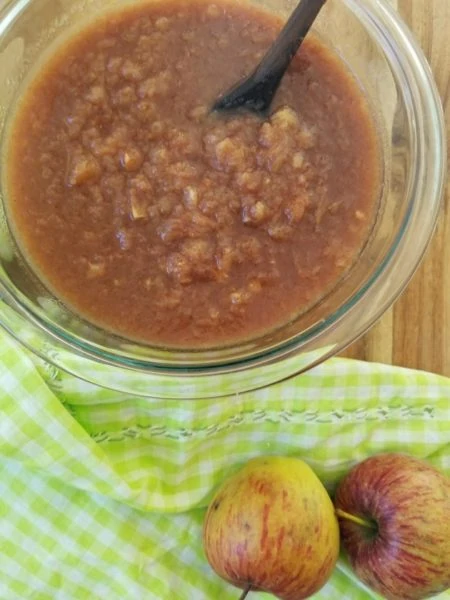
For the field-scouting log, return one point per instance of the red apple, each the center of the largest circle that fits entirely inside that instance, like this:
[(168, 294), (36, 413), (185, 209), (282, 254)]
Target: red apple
[(271, 527), (394, 516)]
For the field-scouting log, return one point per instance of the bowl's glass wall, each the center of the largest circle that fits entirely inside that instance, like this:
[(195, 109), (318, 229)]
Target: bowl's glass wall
[(399, 87)]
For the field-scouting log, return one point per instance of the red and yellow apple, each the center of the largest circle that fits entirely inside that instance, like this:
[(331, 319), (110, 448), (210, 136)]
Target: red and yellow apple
[(394, 516), (272, 528)]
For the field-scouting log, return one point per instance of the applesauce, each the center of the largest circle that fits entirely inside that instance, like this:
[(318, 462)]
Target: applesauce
[(156, 219)]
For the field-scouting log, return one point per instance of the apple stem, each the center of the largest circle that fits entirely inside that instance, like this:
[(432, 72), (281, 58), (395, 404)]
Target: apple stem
[(246, 592), (358, 520)]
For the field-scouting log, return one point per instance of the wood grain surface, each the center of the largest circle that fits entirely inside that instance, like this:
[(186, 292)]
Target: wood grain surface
[(416, 331)]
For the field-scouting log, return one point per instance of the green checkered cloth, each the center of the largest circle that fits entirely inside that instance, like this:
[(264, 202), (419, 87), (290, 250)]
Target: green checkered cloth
[(102, 496)]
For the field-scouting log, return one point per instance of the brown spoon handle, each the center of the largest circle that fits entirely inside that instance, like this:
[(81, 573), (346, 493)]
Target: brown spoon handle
[(257, 91)]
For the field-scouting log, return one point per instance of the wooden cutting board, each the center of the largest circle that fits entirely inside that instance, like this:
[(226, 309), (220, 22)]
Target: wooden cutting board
[(416, 331)]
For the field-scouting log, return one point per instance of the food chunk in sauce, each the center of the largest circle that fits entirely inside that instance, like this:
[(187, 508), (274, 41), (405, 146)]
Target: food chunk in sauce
[(160, 221)]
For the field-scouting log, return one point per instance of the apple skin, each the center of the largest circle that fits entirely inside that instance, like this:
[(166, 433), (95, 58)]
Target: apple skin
[(272, 525), (408, 558)]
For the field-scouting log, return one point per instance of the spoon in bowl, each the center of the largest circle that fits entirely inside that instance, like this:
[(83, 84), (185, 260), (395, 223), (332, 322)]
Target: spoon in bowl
[(257, 91)]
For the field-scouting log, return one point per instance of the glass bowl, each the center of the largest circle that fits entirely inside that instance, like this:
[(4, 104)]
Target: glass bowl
[(382, 54)]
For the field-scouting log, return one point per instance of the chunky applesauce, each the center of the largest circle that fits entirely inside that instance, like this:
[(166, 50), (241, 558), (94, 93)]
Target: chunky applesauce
[(158, 220)]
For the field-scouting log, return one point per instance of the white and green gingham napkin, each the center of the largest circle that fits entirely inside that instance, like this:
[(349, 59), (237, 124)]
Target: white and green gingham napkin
[(102, 496)]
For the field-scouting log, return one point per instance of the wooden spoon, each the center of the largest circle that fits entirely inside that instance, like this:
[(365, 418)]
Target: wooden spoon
[(256, 92)]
